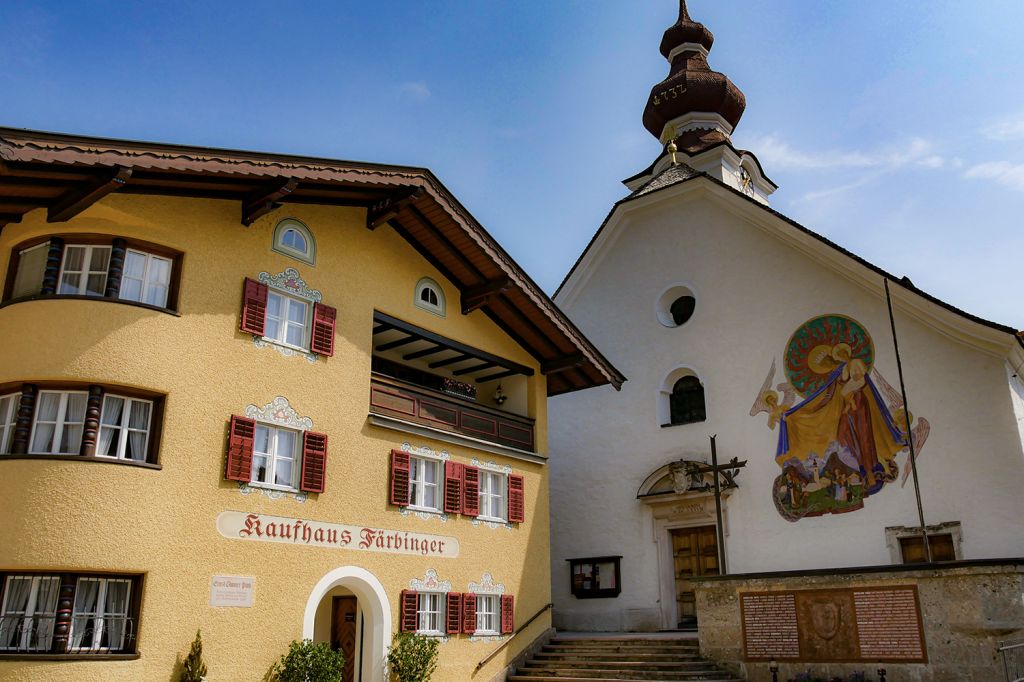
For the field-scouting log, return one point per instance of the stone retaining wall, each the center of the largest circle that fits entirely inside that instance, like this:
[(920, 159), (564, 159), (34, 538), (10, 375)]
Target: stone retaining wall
[(966, 609)]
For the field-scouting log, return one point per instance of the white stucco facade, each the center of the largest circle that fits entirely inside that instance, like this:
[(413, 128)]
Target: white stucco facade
[(756, 279)]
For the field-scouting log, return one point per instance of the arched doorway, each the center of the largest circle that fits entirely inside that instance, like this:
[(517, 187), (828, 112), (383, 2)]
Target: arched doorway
[(351, 597)]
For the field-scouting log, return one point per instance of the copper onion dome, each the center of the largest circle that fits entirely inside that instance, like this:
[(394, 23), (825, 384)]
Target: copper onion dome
[(691, 87)]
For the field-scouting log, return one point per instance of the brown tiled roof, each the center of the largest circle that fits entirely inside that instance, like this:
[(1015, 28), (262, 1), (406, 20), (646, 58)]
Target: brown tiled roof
[(61, 173)]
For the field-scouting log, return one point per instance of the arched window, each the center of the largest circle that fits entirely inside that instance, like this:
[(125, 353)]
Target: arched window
[(294, 239), (429, 296), (686, 402)]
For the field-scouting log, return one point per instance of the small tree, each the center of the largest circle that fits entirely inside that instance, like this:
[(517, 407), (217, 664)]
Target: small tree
[(194, 669), (308, 662), (412, 657)]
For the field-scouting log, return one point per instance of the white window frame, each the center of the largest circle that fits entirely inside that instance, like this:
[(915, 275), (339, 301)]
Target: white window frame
[(482, 614), (147, 284), (30, 614), (284, 322), (424, 612), (307, 256), (424, 284), (100, 616), (59, 425), (487, 493), (273, 457), (83, 274), (124, 429), (8, 420), (418, 486)]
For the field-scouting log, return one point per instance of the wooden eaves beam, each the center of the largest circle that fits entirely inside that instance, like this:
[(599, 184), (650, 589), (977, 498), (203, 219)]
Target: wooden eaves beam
[(264, 200), (562, 364), (479, 296), (388, 208), (73, 202)]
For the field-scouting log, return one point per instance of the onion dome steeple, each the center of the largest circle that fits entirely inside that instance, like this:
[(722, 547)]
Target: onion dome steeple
[(695, 105)]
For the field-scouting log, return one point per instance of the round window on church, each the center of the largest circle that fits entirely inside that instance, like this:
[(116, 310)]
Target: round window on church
[(676, 306)]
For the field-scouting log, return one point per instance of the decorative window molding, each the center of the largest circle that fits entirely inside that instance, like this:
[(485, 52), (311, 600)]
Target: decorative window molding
[(491, 465), (290, 282), (279, 411), (246, 489), (293, 239), (425, 451), (487, 586), (287, 291), (429, 296), (430, 583)]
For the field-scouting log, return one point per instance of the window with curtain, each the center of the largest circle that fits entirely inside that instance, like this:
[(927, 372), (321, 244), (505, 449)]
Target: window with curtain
[(124, 428), (430, 613), (423, 481), (59, 420), (8, 417), (275, 459), (146, 278), (488, 614), (84, 270), (102, 618), (492, 495), (287, 320)]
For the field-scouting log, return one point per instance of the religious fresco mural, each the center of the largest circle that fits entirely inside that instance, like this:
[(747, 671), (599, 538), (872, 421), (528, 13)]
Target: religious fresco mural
[(841, 424)]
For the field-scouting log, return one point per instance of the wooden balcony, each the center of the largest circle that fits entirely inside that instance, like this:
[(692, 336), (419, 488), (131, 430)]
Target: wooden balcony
[(434, 409)]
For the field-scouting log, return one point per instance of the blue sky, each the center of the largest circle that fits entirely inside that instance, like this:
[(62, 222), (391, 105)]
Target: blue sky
[(893, 128)]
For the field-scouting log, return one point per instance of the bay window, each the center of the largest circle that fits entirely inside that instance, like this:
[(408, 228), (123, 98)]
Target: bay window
[(110, 268), (124, 428), (101, 621), (8, 414)]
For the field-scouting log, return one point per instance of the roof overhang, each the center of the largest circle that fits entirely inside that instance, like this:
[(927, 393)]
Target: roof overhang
[(65, 174)]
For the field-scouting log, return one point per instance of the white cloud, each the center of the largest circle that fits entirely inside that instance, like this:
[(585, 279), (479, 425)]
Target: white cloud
[(914, 152), (1003, 172), (1007, 128), (416, 90)]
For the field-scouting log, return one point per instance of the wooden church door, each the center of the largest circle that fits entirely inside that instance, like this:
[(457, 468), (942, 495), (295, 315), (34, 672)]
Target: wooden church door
[(343, 633), (695, 553)]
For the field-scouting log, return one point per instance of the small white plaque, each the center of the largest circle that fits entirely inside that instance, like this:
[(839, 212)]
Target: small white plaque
[(232, 590)]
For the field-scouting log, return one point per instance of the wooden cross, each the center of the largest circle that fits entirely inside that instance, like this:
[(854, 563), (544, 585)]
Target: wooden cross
[(727, 471)]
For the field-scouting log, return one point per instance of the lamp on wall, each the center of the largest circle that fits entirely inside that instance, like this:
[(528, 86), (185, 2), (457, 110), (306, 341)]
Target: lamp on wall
[(499, 396)]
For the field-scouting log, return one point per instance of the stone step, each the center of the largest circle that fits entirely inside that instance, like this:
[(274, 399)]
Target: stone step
[(619, 641), (617, 678), (630, 662), (599, 654), (595, 646), (709, 672)]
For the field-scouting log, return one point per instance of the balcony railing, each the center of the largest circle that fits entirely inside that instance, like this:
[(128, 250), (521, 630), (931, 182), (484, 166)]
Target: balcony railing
[(36, 634), (412, 403)]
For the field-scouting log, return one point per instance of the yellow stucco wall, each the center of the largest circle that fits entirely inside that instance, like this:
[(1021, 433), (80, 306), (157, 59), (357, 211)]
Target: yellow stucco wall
[(85, 516)]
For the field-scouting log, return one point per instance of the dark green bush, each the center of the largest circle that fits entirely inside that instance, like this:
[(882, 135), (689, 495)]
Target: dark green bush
[(413, 658), (194, 669), (308, 662)]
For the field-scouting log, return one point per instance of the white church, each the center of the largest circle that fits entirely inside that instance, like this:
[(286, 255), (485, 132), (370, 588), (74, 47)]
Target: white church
[(730, 319)]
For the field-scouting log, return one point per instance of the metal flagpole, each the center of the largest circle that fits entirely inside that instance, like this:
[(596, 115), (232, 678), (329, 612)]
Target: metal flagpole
[(906, 417)]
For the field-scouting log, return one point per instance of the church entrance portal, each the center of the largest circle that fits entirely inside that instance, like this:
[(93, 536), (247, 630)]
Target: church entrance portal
[(694, 554)]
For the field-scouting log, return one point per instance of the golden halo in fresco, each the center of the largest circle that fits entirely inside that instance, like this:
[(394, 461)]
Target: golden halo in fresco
[(820, 346)]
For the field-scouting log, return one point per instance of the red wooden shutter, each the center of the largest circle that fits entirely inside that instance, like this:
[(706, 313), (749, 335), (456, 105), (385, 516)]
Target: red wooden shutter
[(408, 617), (453, 616), (508, 603), (469, 613), (471, 491), (400, 477), (241, 436), (516, 501), (452, 487), (314, 462), (254, 307), (322, 341)]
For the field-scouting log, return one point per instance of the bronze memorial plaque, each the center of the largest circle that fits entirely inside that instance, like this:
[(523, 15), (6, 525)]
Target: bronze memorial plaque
[(849, 625)]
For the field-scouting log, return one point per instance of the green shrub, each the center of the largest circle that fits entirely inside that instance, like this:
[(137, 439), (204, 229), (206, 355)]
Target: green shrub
[(194, 669), (413, 658), (308, 662)]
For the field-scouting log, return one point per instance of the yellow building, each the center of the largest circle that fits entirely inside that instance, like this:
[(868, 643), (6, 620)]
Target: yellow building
[(269, 397)]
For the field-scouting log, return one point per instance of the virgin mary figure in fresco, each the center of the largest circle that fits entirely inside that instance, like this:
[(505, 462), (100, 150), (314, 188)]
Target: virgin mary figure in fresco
[(841, 436)]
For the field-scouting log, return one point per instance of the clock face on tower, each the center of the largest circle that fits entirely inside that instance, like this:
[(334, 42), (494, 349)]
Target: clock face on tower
[(746, 183)]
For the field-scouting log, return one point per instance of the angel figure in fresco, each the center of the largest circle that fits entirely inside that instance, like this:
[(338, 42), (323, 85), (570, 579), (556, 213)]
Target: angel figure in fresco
[(839, 442), (919, 433), (768, 399)]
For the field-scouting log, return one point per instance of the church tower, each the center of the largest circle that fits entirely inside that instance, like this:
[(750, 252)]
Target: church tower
[(695, 109)]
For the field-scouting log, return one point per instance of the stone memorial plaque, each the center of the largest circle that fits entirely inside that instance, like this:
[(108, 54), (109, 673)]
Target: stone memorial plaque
[(232, 590), (841, 625), (770, 625)]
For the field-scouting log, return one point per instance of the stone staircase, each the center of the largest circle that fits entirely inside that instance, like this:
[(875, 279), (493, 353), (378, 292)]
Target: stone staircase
[(615, 659)]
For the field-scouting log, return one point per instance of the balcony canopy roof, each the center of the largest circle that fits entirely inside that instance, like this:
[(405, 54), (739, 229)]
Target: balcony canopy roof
[(65, 174)]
